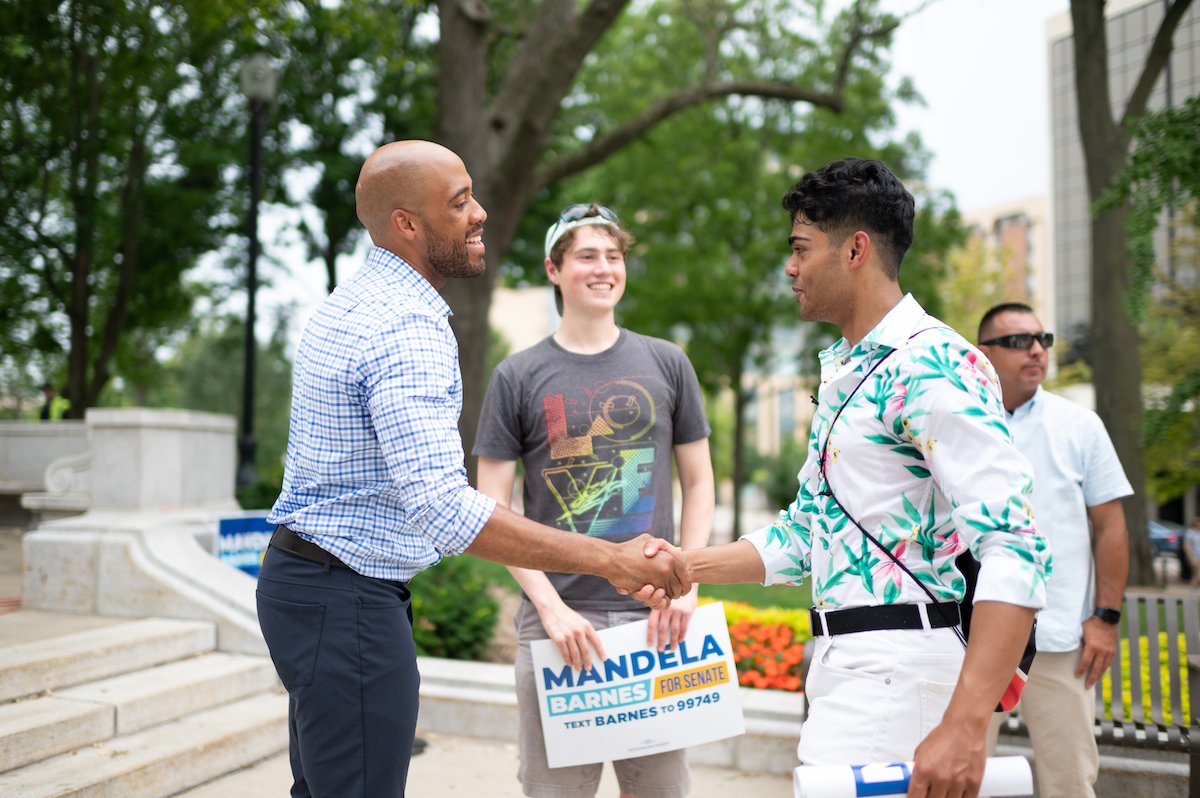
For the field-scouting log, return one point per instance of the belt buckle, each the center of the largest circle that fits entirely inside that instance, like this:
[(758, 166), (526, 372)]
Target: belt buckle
[(824, 622)]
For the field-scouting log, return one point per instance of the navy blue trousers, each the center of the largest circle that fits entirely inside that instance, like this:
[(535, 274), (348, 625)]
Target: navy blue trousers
[(342, 646)]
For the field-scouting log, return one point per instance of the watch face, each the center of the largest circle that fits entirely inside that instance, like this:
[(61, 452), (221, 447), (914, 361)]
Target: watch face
[(1108, 615)]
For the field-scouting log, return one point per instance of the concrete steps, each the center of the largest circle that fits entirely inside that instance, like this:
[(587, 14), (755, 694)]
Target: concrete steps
[(132, 708), (71, 659)]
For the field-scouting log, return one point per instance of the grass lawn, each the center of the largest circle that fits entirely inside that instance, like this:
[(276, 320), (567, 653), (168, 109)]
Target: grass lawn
[(756, 595), (798, 597)]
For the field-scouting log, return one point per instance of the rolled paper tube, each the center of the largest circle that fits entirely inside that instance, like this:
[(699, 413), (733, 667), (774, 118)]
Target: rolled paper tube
[(1003, 777)]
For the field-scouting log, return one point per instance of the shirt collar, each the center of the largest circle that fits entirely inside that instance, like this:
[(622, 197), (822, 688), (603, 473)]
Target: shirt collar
[(1028, 406), (408, 277), (892, 330)]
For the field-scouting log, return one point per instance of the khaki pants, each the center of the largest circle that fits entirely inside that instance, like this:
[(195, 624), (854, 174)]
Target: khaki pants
[(1059, 712)]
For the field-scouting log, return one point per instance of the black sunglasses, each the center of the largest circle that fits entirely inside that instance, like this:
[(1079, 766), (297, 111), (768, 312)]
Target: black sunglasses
[(1021, 340), (582, 210)]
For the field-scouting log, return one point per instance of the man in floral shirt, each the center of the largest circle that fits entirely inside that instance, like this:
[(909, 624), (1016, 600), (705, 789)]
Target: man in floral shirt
[(908, 444)]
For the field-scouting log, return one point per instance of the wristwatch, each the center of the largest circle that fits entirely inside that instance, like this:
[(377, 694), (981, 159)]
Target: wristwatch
[(1108, 615)]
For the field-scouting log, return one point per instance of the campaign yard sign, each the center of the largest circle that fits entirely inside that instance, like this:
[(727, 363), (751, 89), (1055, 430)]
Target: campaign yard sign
[(639, 700), (241, 541)]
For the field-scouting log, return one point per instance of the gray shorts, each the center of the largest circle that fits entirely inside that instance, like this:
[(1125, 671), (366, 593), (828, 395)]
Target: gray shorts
[(662, 775)]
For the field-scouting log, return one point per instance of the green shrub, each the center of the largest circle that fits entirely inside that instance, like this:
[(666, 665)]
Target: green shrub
[(776, 474), (453, 614)]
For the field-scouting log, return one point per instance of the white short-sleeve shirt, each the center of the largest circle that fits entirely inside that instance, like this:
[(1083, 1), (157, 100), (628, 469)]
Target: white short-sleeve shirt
[(1074, 467)]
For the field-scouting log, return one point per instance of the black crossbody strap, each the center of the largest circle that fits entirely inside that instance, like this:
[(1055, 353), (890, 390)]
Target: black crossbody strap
[(828, 491)]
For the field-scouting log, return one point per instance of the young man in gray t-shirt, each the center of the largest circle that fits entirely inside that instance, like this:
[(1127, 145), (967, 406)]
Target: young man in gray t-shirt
[(595, 414)]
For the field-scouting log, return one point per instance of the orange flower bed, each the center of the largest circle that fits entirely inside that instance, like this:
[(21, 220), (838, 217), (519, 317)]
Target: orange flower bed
[(766, 654)]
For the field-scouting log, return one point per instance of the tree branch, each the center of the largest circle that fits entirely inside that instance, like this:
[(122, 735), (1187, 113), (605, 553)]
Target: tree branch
[(603, 146), (1156, 61), (860, 32), (132, 206), (555, 37)]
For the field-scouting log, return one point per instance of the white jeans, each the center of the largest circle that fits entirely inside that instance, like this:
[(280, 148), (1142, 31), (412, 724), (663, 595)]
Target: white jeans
[(873, 696)]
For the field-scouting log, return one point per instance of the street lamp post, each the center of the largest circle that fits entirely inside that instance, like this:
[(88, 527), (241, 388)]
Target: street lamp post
[(258, 85)]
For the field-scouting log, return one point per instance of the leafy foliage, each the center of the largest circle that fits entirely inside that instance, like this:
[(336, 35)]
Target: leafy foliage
[(702, 190), (776, 474), (454, 616), (1163, 174), (1171, 339), (973, 284), (355, 75), (115, 147)]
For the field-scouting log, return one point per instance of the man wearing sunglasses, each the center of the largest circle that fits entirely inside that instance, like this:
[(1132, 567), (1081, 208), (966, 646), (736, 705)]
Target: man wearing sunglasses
[(1077, 490), (596, 414), (375, 490)]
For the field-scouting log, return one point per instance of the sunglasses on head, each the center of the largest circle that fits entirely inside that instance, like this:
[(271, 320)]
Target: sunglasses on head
[(582, 210), (1021, 340), (578, 215)]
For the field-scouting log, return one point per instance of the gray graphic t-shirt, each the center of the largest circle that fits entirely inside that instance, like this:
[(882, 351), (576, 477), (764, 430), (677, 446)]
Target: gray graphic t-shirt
[(595, 434)]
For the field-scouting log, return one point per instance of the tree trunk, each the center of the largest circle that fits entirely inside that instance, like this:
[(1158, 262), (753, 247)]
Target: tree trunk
[(462, 53), (740, 399), (77, 313), (1116, 356), (1116, 370), (330, 258), (132, 208)]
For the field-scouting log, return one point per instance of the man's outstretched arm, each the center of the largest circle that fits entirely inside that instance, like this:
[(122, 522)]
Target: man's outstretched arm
[(513, 539)]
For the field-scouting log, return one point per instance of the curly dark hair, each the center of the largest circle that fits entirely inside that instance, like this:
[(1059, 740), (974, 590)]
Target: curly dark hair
[(854, 194)]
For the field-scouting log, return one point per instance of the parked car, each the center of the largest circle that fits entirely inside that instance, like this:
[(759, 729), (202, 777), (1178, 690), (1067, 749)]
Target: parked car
[(1166, 537)]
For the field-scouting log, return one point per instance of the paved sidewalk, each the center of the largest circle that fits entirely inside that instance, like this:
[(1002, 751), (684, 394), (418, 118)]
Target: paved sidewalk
[(452, 766)]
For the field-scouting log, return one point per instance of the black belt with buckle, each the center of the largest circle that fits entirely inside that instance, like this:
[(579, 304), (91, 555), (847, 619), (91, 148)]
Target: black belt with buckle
[(285, 539), (885, 616)]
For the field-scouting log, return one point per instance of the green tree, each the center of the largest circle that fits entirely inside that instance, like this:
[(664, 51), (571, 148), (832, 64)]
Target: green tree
[(350, 67), (1172, 378), (114, 156), (974, 283), (702, 189), (1163, 175), (1116, 357), (205, 373), (510, 101)]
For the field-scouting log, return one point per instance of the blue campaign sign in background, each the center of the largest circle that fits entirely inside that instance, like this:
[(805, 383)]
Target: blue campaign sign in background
[(241, 540)]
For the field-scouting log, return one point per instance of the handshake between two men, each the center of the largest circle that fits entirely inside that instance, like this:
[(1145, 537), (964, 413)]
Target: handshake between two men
[(669, 571), (650, 569)]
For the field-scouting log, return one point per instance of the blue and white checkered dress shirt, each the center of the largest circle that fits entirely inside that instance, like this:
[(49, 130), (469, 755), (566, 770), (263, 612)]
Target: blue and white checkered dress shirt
[(374, 471)]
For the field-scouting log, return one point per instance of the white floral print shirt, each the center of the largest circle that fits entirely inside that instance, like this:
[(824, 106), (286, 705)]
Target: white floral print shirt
[(923, 459)]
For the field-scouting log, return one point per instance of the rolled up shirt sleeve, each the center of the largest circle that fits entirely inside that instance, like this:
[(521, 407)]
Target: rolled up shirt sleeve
[(954, 415)]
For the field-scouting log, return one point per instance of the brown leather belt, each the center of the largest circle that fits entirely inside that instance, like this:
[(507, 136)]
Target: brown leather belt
[(285, 539)]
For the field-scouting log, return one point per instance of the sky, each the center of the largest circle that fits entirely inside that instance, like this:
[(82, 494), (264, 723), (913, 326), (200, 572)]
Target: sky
[(979, 64), (981, 67)]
